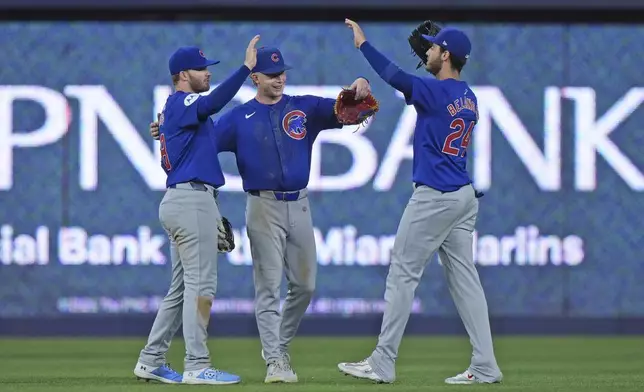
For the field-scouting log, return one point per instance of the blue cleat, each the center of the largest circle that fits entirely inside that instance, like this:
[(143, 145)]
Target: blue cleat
[(164, 374), (210, 376)]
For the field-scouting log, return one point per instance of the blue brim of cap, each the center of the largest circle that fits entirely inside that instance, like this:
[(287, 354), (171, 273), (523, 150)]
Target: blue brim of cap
[(211, 62), (429, 38), (275, 70)]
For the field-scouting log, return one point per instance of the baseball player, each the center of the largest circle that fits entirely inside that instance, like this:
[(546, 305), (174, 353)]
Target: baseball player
[(442, 211), (272, 136), (189, 214)]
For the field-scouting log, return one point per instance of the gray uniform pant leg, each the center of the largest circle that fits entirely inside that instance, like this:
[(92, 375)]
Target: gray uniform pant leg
[(301, 269), (168, 319), (431, 221), (281, 240), (190, 218)]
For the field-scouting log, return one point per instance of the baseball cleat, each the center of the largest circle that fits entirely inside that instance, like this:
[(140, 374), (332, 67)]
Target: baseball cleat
[(280, 371), (360, 369), (467, 378), (289, 374), (210, 376), (164, 374)]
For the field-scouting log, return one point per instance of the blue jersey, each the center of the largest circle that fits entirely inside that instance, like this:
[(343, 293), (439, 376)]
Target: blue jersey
[(447, 113), (188, 145), (272, 143)]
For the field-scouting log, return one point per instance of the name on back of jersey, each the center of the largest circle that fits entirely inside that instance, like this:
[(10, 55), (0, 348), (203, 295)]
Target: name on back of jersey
[(460, 104)]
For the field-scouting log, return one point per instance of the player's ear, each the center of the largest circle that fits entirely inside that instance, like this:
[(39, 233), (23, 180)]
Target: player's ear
[(253, 78)]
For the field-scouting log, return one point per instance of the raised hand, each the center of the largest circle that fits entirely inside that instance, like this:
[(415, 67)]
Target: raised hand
[(251, 53), (358, 35)]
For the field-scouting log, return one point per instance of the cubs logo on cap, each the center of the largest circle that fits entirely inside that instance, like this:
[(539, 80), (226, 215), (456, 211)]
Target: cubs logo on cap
[(188, 57), (270, 61)]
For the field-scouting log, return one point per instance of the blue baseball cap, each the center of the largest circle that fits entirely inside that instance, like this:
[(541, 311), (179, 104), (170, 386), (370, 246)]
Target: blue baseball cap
[(188, 57), (270, 61), (453, 40)]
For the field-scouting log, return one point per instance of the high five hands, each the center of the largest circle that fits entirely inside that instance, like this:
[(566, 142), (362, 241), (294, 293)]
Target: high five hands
[(358, 35)]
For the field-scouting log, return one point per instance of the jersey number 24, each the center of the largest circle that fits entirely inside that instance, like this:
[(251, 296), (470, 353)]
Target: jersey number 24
[(165, 159), (459, 125)]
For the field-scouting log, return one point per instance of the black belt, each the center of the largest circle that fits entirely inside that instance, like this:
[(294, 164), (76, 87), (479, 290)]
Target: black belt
[(279, 195), (477, 194)]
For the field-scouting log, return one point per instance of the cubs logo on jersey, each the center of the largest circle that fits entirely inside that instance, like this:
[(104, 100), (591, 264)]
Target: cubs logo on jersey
[(294, 124)]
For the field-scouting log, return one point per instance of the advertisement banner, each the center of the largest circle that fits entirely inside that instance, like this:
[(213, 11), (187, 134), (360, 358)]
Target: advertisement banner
[(556, 152)]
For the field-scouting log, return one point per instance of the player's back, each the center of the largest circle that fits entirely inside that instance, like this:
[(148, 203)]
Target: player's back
[(188, 145), (446, 119)]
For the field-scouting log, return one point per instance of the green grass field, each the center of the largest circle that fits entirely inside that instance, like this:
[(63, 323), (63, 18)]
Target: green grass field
[(529, 364)]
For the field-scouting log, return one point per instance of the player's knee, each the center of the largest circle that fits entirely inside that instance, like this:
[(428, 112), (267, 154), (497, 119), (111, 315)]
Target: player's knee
[(405, 269), (305, 289), (174, 296), (267, 288), (205, 300), (208, 290), (267, 299), (204, 305)]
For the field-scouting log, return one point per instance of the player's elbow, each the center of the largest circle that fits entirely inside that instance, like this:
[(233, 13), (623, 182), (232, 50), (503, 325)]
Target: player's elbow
[(401, 81), (390, 72)]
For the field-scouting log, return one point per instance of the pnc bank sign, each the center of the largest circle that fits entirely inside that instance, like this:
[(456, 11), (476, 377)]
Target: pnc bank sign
[(591, 134)]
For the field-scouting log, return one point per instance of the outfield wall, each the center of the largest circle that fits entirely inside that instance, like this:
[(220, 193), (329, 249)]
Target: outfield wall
[(556, 151)]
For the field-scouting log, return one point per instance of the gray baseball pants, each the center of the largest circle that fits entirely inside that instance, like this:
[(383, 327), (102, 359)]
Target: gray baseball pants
[(282, 241), (444, 222), (189, 214)]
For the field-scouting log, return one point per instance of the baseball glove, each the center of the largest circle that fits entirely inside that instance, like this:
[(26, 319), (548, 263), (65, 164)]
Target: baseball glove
[(419, 45), (350, 111), (226, 240)]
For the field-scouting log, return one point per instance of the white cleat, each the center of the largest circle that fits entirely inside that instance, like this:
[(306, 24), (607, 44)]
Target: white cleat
[(464, 378), (280, 371), (273, 374), (467, 378), (360, 369), (289, 374)]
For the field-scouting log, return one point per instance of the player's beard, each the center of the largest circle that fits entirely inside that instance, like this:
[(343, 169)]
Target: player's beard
[(434, 66), (199, 86)]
